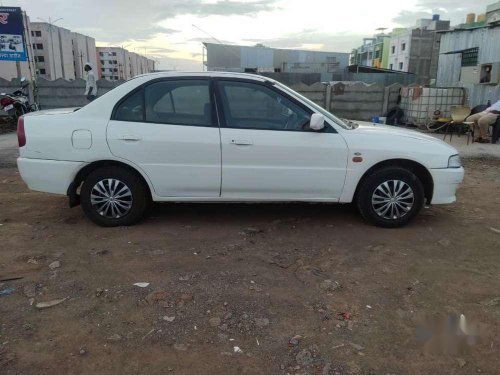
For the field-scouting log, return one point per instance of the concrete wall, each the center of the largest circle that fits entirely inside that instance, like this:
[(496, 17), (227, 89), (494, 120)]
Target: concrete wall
[(353, 100), (61, 93)]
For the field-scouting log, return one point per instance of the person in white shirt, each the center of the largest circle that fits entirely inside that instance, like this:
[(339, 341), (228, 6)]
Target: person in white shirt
[(90, 83), (483, 120)]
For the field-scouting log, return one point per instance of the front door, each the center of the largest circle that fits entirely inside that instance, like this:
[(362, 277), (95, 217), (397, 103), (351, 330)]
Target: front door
[(268, 151), (168, 128)]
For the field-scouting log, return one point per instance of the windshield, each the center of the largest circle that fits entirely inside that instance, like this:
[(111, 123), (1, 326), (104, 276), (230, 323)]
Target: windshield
[(324, 112)]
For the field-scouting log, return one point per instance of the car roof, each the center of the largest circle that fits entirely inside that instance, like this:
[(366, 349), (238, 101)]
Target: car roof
[(254, 77)]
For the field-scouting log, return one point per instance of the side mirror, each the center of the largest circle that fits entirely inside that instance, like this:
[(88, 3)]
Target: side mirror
[(317, 122)]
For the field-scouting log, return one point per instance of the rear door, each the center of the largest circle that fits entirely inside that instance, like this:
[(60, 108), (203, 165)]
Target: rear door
[(169, 129)]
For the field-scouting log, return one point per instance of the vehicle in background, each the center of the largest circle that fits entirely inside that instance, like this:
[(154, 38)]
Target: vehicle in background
[(228, 137), (17, 103)]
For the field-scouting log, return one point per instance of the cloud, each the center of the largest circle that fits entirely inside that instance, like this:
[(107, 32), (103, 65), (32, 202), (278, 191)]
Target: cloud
[(453, 10), (115, 21), (307, 38)]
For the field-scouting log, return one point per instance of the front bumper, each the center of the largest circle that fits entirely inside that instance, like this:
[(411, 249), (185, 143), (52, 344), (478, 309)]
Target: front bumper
[(446, 182), (49, 176)]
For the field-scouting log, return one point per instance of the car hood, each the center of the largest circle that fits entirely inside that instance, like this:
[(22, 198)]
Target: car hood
[(380, 130), (56, 111)]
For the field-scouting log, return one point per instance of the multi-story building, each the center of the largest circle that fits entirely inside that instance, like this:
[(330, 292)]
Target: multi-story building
[(261, 59), (84, 51), (59, 52), (17, 69), (116, 63), (416, 50), (53, 50), (374, 52)]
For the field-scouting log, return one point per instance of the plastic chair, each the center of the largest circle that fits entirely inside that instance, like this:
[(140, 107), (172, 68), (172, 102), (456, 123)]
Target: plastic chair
[(458, 116)]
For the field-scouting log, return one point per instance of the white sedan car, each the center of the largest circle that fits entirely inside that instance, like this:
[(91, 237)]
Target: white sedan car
[(228, 137)]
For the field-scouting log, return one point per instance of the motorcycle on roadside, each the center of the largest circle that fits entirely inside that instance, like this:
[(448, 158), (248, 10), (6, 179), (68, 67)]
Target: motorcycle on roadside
[(17, 103)]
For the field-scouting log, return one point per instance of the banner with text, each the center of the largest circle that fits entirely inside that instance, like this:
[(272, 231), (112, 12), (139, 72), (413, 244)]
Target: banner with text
[(12, 47)]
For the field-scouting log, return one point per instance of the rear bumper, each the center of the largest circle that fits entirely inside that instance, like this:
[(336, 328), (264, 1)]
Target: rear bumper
[(446, 182), (49, 176)]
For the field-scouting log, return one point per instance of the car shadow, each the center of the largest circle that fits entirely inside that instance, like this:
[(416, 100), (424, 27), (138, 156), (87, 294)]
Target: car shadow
[(245, 213)]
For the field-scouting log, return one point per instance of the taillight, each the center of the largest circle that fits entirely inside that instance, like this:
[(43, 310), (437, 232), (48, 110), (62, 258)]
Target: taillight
[(21, 136), (5, 101)]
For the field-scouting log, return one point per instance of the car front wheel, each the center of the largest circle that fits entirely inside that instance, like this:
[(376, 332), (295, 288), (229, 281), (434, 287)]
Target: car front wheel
[(112, 196), (390, 197)]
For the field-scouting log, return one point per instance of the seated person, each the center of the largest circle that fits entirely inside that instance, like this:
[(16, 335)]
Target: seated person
[(483, 120)]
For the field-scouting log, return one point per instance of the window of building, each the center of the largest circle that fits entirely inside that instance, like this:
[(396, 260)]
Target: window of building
[(113, 53), (400, 66), (32, 33), (42, 71), (470, 56), (103, 69), (403, 46), (115, 78), (39, 46), (393, 50), (115, 62), (390, 66), (102, 62), (254, 106), (39, 58), (185, 102)]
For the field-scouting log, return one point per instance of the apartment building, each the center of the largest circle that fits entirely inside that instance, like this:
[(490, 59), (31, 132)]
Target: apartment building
[(117, 63), (84, 51), (53, 51), (59, 52), (373, 52), (416, 50)]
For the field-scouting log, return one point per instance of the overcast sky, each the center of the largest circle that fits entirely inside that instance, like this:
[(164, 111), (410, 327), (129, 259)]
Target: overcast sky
[(164, 28)]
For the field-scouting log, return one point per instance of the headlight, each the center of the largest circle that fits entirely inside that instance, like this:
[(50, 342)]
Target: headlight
[(454, 161)]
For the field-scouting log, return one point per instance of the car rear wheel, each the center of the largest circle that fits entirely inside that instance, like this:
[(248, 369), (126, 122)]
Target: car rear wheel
[(114, 197), (390, 197)]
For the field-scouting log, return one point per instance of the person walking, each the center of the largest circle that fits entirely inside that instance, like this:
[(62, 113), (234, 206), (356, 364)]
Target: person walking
[(483, 120), (90, 83)]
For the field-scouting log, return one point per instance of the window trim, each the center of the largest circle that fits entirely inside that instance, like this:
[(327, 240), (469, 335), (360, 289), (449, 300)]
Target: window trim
[(269, 85), (215, 123)]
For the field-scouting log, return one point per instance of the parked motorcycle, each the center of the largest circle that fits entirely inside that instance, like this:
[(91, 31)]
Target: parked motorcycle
[(17, 103)]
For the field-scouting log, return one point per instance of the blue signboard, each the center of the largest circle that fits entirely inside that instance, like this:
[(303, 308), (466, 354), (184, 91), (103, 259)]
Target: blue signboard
[(12, 47)]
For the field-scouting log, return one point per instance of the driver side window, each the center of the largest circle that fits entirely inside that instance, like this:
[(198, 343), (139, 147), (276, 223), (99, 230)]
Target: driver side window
[(253, 106)]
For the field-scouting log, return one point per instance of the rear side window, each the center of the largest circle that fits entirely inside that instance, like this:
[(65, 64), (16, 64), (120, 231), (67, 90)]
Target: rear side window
[(131, 109), (183, 102)]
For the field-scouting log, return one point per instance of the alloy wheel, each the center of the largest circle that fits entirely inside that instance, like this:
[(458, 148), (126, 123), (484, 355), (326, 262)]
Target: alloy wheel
[(393, 199), (111, 198)]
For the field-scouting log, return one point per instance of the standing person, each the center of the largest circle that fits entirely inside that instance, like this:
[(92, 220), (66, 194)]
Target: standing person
[(90, 83), (483, 120)]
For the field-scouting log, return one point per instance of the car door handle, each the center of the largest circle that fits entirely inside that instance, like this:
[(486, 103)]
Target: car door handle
[(241, 142), (130, 138)]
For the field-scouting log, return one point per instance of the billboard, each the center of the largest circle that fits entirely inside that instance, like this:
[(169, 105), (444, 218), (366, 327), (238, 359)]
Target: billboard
[(12, 47)]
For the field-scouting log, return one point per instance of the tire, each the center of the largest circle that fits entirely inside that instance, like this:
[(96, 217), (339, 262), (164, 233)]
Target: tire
[(376, 202), (130, 197)]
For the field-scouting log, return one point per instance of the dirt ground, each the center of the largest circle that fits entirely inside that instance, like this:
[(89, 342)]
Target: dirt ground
[(251, 289)]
